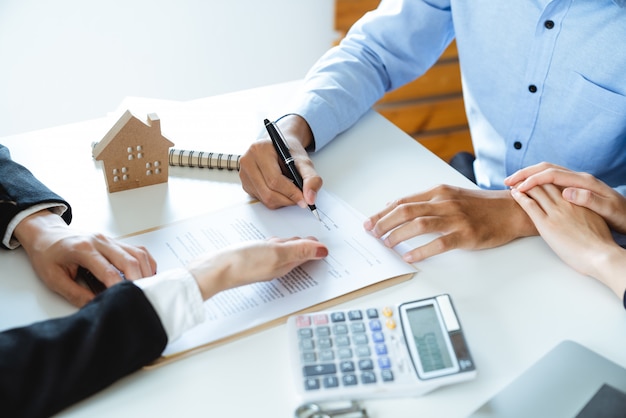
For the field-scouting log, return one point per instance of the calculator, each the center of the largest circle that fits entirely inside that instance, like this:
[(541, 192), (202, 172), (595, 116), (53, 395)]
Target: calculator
[(392, 351)]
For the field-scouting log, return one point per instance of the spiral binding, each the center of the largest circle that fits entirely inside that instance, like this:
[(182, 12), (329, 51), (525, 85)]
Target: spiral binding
[(201, 159)]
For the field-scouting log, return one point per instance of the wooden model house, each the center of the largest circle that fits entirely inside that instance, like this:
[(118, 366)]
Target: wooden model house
[(134, 153)]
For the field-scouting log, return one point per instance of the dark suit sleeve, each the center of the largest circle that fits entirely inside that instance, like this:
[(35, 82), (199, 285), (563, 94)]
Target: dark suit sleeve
[(19, 190), (50, 365)]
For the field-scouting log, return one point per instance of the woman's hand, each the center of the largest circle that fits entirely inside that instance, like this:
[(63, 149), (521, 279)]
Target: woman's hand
[(251, 262)]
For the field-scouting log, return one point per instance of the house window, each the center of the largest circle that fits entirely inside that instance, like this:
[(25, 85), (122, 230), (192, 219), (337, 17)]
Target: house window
[(116, 174), (131, 150)]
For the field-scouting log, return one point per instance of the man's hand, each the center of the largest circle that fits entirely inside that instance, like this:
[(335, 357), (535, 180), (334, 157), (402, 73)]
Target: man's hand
[(260, 168), (467, 219), (56, 251)]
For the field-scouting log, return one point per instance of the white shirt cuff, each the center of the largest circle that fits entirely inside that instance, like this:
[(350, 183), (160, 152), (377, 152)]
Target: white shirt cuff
[(8, 239), (176, 298)]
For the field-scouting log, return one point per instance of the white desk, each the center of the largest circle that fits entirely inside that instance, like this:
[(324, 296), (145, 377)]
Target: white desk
[(515, 302)]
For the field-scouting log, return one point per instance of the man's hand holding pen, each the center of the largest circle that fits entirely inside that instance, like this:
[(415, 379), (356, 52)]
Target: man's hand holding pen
[(288, 165), (261, 174)]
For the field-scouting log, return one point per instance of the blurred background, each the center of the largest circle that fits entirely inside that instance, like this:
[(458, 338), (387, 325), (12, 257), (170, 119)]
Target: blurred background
[(66, 61)]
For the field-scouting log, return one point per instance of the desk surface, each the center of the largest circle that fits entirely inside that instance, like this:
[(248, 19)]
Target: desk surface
[(515, 302)]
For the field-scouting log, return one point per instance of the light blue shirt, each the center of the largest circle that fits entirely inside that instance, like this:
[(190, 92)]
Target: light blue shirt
[(542, 80)]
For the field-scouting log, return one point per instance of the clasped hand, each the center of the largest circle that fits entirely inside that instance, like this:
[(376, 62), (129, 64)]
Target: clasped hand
[(56, 251)]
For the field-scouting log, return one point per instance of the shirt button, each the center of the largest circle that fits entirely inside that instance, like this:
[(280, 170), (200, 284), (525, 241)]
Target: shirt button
[(549, 24), (532, 88), (517, 145)]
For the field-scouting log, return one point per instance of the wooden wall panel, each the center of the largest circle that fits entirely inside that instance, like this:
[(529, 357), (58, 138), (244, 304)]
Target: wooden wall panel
[(430, 109)]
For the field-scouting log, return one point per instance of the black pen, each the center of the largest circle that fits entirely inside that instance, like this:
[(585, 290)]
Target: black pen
[(285, 155)]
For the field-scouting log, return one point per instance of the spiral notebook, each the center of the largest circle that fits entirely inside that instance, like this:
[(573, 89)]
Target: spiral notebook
[(203, 159)]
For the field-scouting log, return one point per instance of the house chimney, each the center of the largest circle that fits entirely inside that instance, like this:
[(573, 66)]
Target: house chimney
[(154, 122)]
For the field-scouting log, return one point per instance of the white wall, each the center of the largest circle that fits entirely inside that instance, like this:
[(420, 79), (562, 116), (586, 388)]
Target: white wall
[(65, 61)]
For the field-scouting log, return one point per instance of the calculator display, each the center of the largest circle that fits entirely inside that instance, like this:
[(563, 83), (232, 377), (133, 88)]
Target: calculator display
[(428, 341)]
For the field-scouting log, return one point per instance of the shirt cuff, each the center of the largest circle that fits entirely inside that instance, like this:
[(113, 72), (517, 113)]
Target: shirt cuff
[(8, 240), (176, 298), (320, 118)]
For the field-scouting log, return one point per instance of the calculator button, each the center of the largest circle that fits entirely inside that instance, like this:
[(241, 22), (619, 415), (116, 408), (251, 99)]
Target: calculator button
[(390, 323), (307, 344), (368, 378), (386, 375), (320, 319), (327, 355), (363, 351), (349, 380), (322, 331), (360, 339), (378, 337), (342, 341), (303, 321), (346, 366), (355, 315), (309, 357), (340, 329), (344, 353), (337, 317), (325, 343), (372, 313), (319, 369), (387, 311), (366, 364), (375, 325), (381, 349), (305, 333), (357, 327), (311, 384), (330, 381), (384, 362)]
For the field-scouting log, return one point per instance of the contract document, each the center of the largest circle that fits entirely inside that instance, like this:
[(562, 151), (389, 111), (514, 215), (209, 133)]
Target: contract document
[(356, 261)]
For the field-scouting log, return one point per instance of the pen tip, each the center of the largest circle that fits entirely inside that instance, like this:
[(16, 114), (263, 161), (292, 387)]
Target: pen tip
[(317, 215)]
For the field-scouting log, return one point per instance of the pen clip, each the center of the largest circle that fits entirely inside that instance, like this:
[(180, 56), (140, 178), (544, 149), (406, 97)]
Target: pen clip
[(281, 147)]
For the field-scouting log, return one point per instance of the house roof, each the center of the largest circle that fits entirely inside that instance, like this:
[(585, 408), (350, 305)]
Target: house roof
[(129, 122)]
